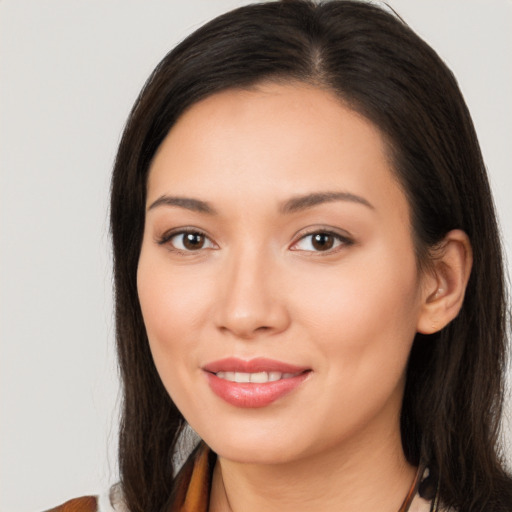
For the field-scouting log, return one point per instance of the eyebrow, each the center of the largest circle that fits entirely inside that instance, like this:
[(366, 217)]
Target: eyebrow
[(188, 203), (295, 204), (304, 202)]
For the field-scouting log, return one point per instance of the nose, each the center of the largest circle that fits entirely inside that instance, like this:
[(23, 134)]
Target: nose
[(251, 300)]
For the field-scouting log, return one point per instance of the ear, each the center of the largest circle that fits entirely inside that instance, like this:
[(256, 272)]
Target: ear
[(445, 283)]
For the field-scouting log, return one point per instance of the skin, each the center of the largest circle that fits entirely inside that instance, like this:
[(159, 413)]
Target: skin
[(258, 288)]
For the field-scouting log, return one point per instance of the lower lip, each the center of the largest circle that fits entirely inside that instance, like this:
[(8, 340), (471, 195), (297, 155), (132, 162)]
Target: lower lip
[(253, 395)]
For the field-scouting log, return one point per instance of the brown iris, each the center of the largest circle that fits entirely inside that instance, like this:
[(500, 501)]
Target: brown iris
[(322, 241), (193, 241)]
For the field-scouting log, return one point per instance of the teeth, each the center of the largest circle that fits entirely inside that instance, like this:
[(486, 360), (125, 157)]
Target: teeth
[(242, 377), (257, 378)]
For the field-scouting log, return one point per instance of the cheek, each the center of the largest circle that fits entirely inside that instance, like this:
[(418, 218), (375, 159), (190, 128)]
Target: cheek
[(366, 314), (172, 296), (173, 307), (364, 326)]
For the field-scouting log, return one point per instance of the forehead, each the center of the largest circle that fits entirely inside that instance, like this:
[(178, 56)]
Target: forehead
[(274, 140)]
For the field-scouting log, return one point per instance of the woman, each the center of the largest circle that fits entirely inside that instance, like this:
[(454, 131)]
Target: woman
[(308, 272)]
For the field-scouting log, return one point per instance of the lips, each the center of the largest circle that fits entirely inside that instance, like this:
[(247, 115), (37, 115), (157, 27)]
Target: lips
[(254, 383)]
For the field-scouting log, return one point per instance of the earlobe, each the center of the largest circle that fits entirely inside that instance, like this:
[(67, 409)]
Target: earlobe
[(445, 285)]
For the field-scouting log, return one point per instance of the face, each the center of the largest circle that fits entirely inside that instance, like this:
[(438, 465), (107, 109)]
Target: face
[(277, 276)]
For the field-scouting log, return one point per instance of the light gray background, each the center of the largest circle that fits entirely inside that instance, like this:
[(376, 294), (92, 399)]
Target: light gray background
[(70, 71)]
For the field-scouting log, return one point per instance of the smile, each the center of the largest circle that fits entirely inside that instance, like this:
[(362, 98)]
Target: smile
[(255, 383)]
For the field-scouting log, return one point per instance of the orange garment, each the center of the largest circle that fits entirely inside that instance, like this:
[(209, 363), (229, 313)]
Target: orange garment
[(193, 482), (84, 504)]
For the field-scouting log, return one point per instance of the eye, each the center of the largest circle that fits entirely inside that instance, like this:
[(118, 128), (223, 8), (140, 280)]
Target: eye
[(321, 241), (187, 241)]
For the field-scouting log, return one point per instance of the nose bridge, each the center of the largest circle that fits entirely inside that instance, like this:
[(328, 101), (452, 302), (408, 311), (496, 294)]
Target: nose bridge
[(250, 304)]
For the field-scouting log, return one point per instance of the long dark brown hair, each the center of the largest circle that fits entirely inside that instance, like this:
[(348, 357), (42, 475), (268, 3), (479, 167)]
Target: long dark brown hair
[(454, 390)]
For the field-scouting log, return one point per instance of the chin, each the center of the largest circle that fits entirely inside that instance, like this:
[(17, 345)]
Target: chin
[(261, 444), (253, 453)]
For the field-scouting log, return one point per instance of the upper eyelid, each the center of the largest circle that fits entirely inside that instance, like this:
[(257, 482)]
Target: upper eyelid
[(301, 234), (312, 230), (344, 238), (167, 235)]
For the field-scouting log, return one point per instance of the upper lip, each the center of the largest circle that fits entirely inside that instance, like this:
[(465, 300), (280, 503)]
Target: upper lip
[(259, 364)]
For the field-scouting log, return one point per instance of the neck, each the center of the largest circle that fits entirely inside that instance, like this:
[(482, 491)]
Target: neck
[(365, 477)]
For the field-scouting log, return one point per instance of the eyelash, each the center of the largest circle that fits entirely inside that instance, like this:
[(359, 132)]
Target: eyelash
[(342, 241), (167, 237)]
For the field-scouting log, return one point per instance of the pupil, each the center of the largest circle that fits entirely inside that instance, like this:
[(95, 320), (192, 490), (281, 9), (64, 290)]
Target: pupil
[(323, 241), (193, 241)]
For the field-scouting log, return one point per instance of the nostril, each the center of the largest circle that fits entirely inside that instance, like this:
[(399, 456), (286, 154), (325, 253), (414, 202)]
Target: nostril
[(263, 328)]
